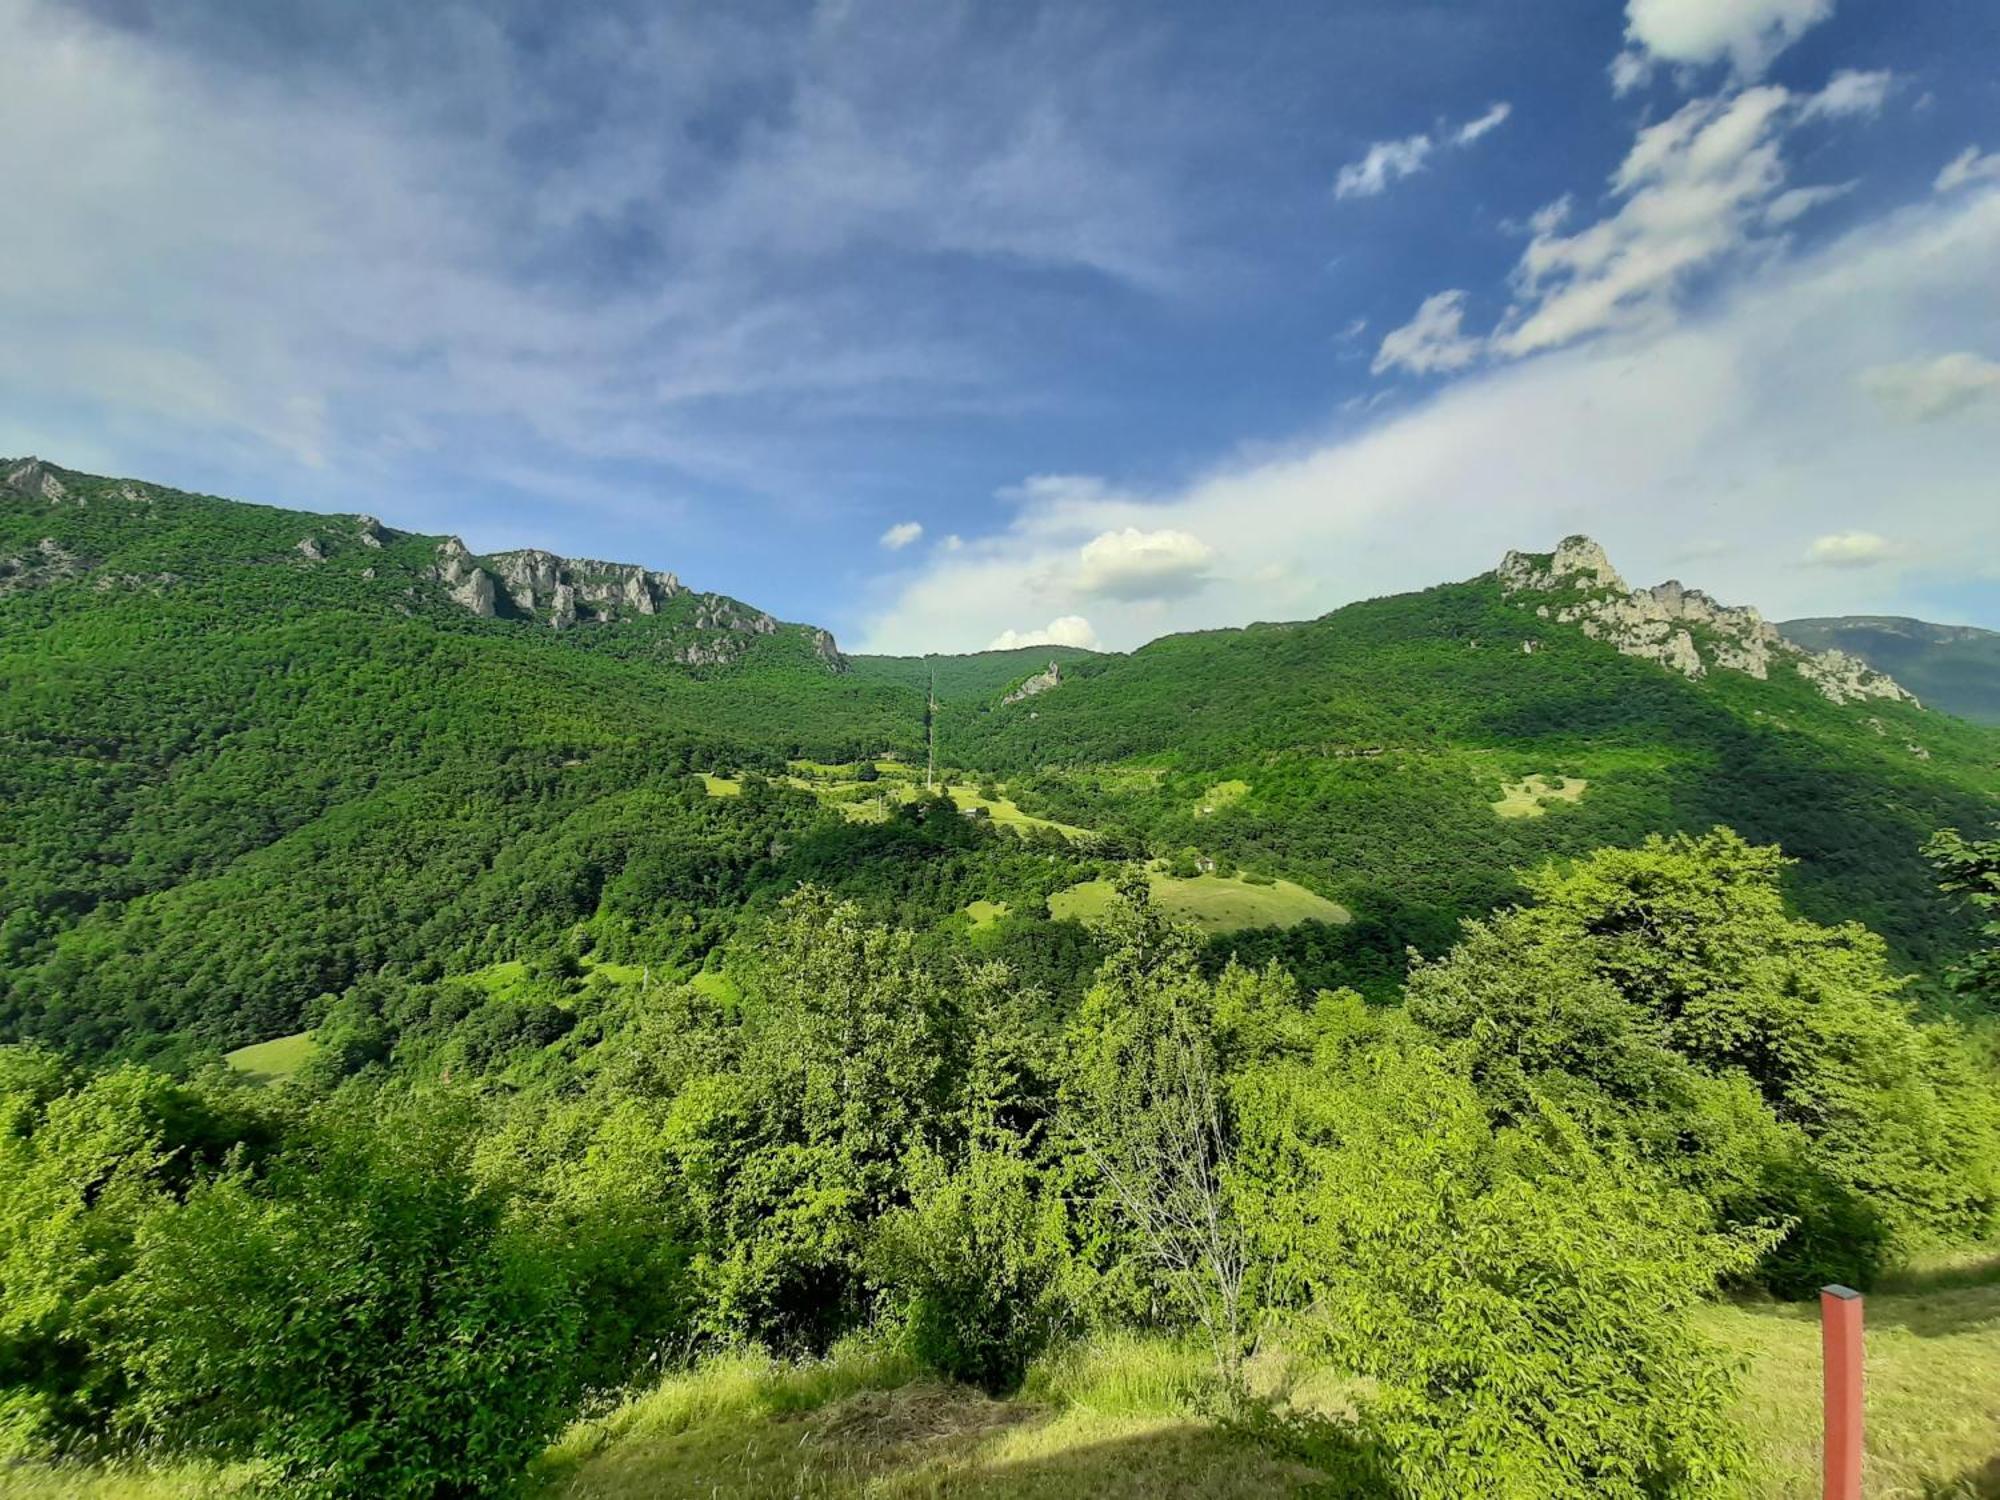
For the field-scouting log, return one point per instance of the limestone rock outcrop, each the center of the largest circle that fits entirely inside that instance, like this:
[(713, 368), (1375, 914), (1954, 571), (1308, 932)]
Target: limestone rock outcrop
[(1681, 628), (470, 585), (48, 561), (1041, 682), (536, 582), (31, 477), (568, 593)]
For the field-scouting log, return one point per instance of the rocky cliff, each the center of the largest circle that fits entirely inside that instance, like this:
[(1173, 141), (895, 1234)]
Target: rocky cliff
[(1041, 682), (709, 630), (1681, 628)]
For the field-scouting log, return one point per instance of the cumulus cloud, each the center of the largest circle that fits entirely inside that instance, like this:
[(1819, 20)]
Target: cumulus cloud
[(1746, 34), (1969, 166), (1850, 549), (1433, 341), (1745, 426), (1132, 564), (1390, 161), (1924, 390), (899, 536), (1065, 630)]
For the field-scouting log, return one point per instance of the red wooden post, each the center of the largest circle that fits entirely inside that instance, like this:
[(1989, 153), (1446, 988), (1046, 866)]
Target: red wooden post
[(1840, 1352)]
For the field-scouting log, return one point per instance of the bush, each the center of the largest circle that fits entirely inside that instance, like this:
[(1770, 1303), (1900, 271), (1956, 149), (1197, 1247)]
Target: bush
[(1517, 1298), (360, 1318), (975, 1268)]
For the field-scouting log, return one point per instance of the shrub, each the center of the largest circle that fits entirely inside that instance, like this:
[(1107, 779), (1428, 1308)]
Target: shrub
[(975, 1267), (359, 1318), (1517, 1298)]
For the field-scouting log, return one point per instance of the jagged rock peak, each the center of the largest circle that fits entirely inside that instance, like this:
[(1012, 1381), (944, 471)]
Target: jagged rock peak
[(30, 476), (1041, 682), (1681, 628)]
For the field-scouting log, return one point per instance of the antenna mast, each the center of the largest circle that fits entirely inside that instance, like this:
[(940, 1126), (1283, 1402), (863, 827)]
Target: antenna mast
[(930, 725)]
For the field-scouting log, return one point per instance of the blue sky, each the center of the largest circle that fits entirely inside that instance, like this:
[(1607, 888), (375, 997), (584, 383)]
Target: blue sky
[(946, 325)]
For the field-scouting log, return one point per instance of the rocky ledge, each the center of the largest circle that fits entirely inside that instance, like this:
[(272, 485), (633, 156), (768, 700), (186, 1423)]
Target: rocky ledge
[(1680, 628), (1041, 682), (565, 592)]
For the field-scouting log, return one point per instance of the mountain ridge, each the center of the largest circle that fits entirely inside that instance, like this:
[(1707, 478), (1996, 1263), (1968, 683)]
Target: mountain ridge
[(254, 758), (1956, 667)]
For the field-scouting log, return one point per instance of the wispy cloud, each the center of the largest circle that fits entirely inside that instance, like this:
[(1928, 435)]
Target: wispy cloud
[(1850, 549), (1473, 129), (1743, 433), (1969, 166), (899, 536), (446, 237), (1386, 162), (1704, 185), (1925, 390)]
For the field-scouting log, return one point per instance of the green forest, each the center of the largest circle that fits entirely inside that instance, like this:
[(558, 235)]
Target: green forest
[(1416, 1052)]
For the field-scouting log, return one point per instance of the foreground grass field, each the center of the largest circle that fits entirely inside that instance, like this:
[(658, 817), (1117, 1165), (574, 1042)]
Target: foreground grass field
[(1121, 1418)]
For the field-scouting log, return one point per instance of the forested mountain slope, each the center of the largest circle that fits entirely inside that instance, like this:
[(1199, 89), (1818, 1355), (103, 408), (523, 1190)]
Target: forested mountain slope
[(255, 756), (1951, 667)]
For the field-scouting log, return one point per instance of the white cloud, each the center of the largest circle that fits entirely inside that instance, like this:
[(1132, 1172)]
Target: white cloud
[(1924, 390), (1385, 162), (1850, 549), (1065, 630), (255, 263), (1849, 92), (1630, 69), (1132, 564), (1969, 166), (1688, 184), (1695, 190), (1390, 161), (1796, 203), (899, 536), (1744, 427), (1551, 216), (1745, 33), (1432, 341), (1472, 130)]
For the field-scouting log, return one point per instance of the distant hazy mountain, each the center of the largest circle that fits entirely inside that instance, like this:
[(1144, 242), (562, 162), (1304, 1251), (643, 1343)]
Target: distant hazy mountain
[(1952, 667)]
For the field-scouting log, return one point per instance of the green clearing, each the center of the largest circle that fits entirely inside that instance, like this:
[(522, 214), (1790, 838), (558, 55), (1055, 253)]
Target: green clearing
[(1531, 796), (272, 1061), (1222, 794), (722, 786), (1215, 903), (717, 986), (985, 913), (1002, 810)]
